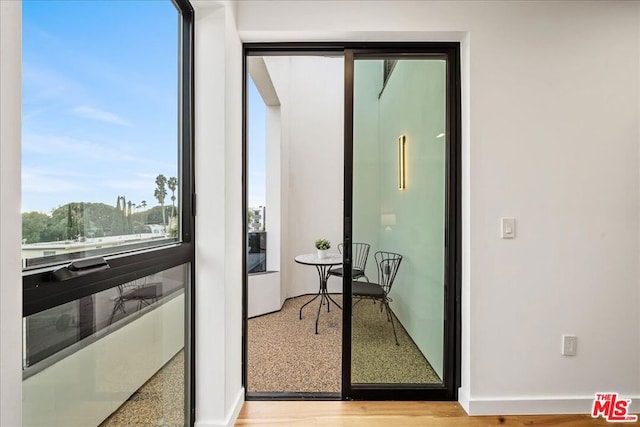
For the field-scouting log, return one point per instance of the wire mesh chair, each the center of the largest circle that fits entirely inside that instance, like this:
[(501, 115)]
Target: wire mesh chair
[(359, 255), (137, 290), (388, 264)]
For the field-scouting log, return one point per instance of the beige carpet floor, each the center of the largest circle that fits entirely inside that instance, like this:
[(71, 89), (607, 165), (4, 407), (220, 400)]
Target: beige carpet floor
[(159, 402), (285, 354)]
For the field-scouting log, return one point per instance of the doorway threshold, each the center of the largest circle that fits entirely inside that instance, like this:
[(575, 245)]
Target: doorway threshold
[(291, 395)]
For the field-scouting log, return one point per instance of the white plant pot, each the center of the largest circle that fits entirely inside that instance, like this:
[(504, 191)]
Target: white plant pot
[(323, 253)]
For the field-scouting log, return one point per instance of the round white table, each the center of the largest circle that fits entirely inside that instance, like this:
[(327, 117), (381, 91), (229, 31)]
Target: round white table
[(323, 265)]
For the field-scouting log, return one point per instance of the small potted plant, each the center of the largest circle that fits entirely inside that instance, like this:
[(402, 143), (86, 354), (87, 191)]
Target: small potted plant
[(322, 245)]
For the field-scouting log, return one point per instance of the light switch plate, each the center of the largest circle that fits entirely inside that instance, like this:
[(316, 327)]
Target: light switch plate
[(508, 228), (569, 345)]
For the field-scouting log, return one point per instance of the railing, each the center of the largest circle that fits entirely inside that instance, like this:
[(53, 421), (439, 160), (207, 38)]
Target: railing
[(257, 256), (84, 320)]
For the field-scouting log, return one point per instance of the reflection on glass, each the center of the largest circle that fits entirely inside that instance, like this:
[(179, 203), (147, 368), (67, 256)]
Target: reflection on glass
[(115, 357), (399, 209)]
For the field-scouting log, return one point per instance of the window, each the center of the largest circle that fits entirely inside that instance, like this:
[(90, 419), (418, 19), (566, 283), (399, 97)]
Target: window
[(107, 173), (388, 65), (101, 147)]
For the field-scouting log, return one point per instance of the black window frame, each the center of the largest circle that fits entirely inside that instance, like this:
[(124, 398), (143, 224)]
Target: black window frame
[(41, 292)]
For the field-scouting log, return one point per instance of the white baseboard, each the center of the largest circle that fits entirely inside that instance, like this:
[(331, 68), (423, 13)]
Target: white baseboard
[(532, 406), (463, 400), (230, 420), (235, 409)]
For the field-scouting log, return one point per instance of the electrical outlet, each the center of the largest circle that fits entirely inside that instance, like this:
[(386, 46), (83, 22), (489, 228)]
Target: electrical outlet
[(569, 345)]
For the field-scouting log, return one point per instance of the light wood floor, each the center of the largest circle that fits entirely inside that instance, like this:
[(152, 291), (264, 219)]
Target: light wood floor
[(389, 414)]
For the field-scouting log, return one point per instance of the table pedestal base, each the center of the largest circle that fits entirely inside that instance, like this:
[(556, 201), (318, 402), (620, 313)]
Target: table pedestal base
[(325, 297)]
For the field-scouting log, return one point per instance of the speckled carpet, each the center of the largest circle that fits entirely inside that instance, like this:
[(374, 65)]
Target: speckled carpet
[(159, 402), (285, 354)]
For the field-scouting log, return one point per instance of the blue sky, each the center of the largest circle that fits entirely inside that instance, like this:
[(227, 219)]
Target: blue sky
[(256, 142), (99, 101)]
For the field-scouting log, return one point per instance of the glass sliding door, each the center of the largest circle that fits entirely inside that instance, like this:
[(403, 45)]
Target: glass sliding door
[(293, 197), (398, 238), (401, 201)]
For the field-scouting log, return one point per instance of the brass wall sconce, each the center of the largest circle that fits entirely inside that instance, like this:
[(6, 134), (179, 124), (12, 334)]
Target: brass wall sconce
[(402, 169)]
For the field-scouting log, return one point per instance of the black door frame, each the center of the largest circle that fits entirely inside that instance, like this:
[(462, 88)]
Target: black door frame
[(452, 304), (453, 216)]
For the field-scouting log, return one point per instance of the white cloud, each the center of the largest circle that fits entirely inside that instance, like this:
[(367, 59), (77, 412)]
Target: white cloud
[(84, 151), (96, 114), (129, 184), (44, 83), (149, 176), (43, 182), (61, 146)]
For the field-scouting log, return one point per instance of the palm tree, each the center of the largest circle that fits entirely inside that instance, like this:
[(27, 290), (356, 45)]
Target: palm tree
[(160, 193), (143, 204), (117, 221), (124, 207), (173, 185), (124, 215), (130, 204)]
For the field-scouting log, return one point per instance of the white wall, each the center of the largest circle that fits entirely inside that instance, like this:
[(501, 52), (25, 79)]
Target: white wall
[(278, 162), (551, 138), (218, 152), (311, 94), (263, 294), (273, 191), (10, 229)]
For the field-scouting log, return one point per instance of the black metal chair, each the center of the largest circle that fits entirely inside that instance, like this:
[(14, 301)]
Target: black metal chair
[(138, 290), (388, 264), (359, 255)]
